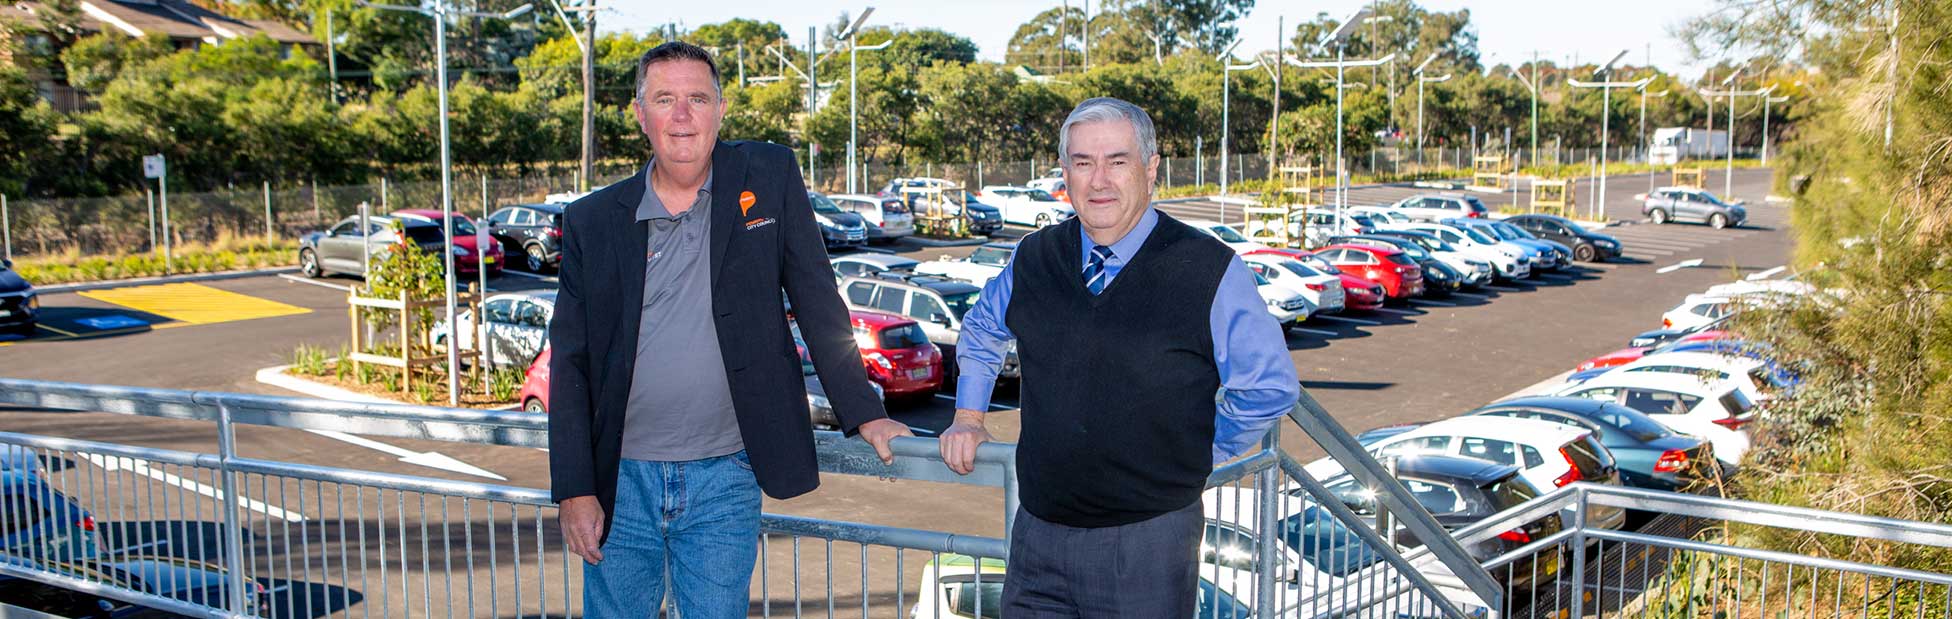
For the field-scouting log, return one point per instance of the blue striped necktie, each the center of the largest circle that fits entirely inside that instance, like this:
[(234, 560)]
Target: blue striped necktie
[(1095, 276)]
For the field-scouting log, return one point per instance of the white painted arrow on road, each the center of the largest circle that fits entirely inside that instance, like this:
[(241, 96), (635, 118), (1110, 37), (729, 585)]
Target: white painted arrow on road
[(140, 467), (1766, 274), (1684, 264), (430, 459)]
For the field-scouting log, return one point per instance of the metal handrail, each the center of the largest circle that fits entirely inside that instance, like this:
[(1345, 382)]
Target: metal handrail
[(915, 459)]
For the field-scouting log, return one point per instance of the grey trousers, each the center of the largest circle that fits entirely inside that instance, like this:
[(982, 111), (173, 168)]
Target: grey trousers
[(1134, 571)]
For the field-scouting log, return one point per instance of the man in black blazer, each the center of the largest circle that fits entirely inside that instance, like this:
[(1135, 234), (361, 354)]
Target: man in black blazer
[(676, 392)]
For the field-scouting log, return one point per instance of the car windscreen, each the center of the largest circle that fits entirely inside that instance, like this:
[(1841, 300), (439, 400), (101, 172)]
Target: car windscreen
[(1416, 251), (1630, 422), (823, 205), (990, 256), (1401, 259), (959, 304), (1476, 205), (1363, 220), (1501, 233), (1515, 231), (1591, 457), (424, 235), (905, 336), (462, 227), (1509, 492), (1259, 279), (1478, 236), (1320, 263), (1298, 268), (1736, 403), (1227, 235), (1039, 195)]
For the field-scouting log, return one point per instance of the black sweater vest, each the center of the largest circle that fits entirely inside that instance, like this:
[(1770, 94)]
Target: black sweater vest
[(1118, 388)]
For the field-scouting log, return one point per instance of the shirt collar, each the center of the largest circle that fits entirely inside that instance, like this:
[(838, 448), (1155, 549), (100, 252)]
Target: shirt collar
[(652, 207), (1124, 248)]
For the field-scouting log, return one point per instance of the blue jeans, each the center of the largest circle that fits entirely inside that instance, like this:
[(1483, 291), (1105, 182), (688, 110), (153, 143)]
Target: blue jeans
[(695, 524)]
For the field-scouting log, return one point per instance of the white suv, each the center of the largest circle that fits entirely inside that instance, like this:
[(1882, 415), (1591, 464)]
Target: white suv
[(1026, 206), (1323, 290), (1714, 410), (1438, 207), (1508, 260)]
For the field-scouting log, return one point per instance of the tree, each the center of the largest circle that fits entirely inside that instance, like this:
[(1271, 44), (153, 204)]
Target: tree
[(1152, 89), (27, 128), (730, 35), (1044, 42), (94, 60)]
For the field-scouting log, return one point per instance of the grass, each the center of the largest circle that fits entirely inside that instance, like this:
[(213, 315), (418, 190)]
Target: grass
[(226, 253)]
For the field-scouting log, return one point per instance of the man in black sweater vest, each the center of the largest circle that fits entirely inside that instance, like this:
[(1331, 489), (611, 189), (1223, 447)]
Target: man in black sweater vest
[(1127, 323)]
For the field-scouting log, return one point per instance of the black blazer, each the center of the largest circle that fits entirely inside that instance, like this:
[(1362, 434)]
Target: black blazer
[(756, 250)]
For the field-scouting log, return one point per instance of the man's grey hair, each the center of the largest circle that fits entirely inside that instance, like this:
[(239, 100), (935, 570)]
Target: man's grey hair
[(1108, 109)]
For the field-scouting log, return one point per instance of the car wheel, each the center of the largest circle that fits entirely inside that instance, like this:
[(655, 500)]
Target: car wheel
[(534, 405), (308, 263), (1043, 219), (537, 260), (1718, 221), (1585, 253), (1660, 216)]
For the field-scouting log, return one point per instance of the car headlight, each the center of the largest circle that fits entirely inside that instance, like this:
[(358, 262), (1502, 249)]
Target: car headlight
[(33, 301), (1607, 243), (824, 221)]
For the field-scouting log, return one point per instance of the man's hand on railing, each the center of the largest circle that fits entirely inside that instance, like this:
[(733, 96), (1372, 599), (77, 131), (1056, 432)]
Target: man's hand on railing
[(960, 441), (581, 519), (879, 432)]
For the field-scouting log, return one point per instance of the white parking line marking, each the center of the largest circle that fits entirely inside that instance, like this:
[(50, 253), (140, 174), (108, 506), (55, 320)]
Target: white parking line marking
[(1353, 321), (1684, 264), (1767, 274), (545, 278), (1314, 331), (141, 467), (314, 282), (1436, 303), (1643, 253)]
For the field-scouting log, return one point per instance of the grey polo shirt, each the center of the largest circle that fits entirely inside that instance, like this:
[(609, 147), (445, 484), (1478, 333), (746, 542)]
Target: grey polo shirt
[(680, 405)]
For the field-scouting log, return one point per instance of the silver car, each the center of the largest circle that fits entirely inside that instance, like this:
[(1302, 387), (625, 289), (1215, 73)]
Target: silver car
[(344, 247), (1690, 204), (517, 327)]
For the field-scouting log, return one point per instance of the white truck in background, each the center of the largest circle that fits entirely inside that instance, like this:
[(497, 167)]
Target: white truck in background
[(1672, 144)]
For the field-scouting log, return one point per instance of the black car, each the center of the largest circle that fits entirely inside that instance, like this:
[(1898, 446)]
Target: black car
[(1650, 455), (536, 228), (1586, 246), (1439, 279), (19, 304), (983, 218), (1459, 492), (838, 227)]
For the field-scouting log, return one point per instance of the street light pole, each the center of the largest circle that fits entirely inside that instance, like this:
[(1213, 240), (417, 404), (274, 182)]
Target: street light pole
[(1339, 38), (1421, 80), (1606, 114), (1765, 126), (1226, 126), (440, 10), (1532, 87), (854, 91), (1646, 149)]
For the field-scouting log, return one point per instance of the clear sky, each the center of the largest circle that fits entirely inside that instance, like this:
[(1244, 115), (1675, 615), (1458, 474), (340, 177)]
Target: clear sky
[(1508, 30)]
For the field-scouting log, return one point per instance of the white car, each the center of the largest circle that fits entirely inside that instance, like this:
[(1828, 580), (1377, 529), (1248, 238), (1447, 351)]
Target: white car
[(1053, 184), (1323, 290), (1025, 206), (1768, 286), (1476, 271), (517, 326), (979, 268), (1510, 261), (1749, 375), (887, 218), (1323, 565), (1380, 214), (867, 264), (1714, 410), (1696, 310), (1287, 306), (1438, 207), (1226, 234), (1547, 454)]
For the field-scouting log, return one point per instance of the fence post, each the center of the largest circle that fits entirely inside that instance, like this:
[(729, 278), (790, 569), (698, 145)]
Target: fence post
[(233, 531), (1169, 173), (267, 212), (383, 201), (315, 199), (979, 174), (1579, 555), (7, 225), (1269, 511)]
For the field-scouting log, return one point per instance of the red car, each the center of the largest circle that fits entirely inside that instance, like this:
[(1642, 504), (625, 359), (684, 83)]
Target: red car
[(897, 353), (1395, 270), (467, 258), (1358, 293), (534, 395), (1631, 354)]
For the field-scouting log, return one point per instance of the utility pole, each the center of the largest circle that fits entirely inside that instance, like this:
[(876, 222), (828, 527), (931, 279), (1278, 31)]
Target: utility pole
[(853, 91), (1421, 80), (1228, 68), (1274, 137), (1728, 180), (331, 57), (587, 45)]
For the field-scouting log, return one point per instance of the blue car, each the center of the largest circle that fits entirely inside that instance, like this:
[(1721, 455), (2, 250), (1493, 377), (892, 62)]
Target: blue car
[(1554, 256), (39, 521)]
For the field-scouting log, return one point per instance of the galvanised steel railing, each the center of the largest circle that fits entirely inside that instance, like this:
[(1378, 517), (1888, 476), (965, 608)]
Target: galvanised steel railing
[(221, 535)]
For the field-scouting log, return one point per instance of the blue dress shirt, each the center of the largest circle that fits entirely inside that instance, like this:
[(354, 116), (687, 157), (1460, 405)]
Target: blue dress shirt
[(1257, 378)]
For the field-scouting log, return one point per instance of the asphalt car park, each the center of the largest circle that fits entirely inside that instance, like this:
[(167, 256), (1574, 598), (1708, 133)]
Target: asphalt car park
[(1419, 361)]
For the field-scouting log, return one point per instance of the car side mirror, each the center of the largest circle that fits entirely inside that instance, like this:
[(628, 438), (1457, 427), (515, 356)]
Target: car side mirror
[(941, 320)]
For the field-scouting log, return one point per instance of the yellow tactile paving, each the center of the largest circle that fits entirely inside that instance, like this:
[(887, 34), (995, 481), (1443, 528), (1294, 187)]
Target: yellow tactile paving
[(194, 303)]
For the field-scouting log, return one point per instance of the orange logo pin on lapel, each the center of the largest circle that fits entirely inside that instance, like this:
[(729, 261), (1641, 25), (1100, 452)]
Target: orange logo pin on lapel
[(746, 200)]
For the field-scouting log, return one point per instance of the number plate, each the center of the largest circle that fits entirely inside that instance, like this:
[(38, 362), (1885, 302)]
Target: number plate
[(922, 372)]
